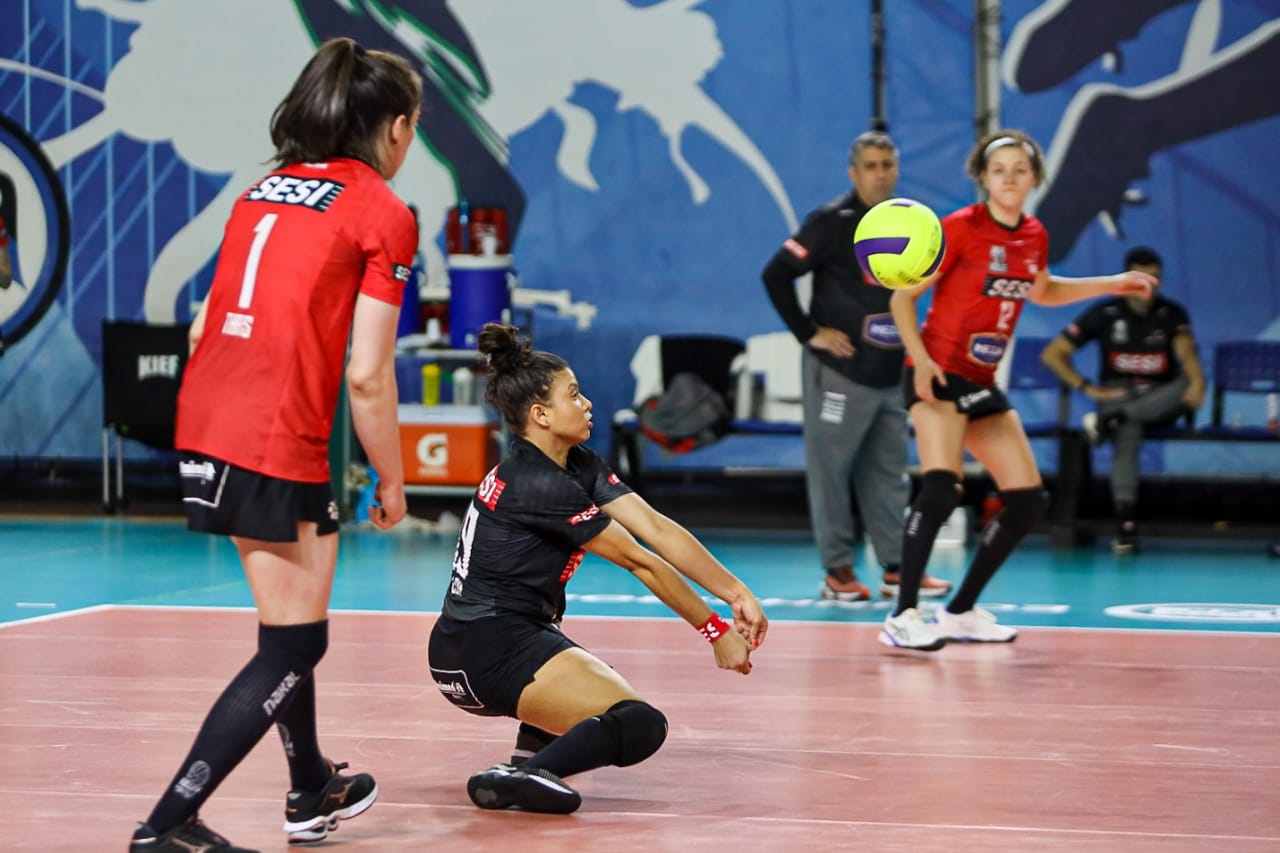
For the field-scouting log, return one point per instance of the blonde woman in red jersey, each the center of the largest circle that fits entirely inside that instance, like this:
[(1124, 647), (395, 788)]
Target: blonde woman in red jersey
[(315, 253), (996, 259)]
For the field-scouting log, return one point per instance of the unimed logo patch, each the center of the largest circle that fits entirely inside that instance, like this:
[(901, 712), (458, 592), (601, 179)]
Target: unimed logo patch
[(1252, 614)]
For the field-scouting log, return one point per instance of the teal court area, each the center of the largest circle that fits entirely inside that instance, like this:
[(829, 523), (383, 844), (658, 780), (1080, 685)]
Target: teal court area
[(52, 566)]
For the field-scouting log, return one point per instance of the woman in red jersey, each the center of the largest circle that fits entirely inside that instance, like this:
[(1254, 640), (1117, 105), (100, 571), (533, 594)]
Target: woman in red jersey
[(315, 253), (996, 259)]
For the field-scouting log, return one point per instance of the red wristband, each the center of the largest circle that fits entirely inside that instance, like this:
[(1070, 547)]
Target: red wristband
[(714, 628)]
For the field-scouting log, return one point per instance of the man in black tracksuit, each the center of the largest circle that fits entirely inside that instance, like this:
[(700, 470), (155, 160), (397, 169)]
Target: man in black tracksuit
[(855, 427)]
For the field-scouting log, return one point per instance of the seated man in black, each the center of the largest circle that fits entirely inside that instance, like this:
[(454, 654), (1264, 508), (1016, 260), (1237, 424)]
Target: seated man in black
[(1150, 377)]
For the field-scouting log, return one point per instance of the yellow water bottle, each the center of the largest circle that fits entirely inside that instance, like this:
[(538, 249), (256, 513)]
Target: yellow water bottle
[(431, 384)]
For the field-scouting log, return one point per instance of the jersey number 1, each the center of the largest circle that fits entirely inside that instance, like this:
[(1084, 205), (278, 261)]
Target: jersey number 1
[(261, 232)]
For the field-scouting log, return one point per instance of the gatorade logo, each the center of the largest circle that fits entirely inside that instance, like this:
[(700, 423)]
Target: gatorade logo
[(433, 450), (1198, 612)]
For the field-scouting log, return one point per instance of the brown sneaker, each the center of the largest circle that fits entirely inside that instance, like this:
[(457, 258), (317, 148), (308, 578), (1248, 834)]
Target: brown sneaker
[(930, 587), (842, 584)]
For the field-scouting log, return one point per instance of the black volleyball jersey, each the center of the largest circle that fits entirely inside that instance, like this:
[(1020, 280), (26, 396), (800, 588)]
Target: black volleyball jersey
[(522, 536), (1136, 348), (843, 297)]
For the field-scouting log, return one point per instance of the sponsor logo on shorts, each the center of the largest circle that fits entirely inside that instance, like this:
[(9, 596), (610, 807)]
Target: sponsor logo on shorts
[(965, 402), (454, 686), (197, 470), (614, 479), (333, 510)]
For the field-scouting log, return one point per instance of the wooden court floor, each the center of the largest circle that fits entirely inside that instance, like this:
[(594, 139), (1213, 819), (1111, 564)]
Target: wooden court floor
[(1069, 739)]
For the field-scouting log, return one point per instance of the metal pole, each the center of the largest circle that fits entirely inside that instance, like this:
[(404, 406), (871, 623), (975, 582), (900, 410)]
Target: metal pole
[(986, 66), (879, 120)]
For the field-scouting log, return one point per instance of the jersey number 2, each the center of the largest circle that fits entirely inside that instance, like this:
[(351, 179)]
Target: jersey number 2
[(1007, 307), (261, 232)]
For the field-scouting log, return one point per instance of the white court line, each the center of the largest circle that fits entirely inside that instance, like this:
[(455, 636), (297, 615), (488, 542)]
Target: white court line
[(575, 617), (93, 608)]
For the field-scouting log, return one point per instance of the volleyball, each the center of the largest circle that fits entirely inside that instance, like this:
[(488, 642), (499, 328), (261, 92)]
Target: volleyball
[(899, 243)]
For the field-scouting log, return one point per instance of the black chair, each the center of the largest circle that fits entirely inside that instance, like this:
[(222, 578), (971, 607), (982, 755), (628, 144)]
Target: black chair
[(656, 361), (142, 369)]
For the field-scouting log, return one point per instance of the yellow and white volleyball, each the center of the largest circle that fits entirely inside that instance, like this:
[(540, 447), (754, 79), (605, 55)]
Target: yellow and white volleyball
[(899, 243)]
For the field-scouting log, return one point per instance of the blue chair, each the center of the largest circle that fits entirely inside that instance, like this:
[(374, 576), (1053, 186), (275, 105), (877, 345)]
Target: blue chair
[(1243, 367), (1027, 373)]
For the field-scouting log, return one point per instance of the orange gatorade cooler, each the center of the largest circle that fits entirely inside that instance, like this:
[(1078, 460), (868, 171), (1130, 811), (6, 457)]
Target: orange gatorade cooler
[(447, 445)]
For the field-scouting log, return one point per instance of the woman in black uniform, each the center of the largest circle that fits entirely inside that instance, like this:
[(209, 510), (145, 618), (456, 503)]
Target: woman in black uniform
[(497, 648)]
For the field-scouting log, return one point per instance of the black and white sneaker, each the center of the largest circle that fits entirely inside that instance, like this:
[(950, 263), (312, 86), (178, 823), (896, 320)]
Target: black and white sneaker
[(1126, 537), (311, 815), (503, 786), (189, 837)]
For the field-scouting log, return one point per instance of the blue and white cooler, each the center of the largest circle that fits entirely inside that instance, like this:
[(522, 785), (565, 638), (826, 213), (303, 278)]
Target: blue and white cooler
[(479, 293)]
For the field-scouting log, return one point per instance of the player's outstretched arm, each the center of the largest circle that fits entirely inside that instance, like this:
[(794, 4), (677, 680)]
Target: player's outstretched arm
[(618, 546), (675, 544)]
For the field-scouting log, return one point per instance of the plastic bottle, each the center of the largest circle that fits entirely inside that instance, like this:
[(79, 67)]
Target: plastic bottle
[(463, 386), (1273, 412), (431, 384)]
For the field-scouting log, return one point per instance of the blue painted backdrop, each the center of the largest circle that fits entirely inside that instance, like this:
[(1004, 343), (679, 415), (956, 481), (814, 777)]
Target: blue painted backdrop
[(655, 153)]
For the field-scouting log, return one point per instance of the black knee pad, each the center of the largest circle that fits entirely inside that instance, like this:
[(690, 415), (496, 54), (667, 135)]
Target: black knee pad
[(641, 730), (1023, 509), (938, 498), (297, 647)]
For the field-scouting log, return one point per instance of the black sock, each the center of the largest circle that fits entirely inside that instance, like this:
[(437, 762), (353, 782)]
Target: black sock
[(626, 734), (586, 746), (240, 717), (939, 495), (296, 724), (1023, 508)]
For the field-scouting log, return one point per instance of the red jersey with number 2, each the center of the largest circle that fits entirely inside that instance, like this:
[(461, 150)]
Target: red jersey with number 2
[(980, 289), (261, 388)]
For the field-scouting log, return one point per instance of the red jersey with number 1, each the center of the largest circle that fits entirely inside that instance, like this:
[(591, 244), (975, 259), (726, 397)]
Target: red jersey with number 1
[(980, 289), (261, 388)]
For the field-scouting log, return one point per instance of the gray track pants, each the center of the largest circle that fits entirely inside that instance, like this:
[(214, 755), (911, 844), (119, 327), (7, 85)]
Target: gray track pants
[(1159, 405), (855, 440)]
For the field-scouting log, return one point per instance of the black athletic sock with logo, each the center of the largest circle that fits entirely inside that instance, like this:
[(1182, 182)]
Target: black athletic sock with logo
[(243, 713), (296, 724)]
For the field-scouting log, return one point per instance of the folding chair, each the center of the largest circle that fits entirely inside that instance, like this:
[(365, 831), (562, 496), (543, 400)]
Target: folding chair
[(142, 369)]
